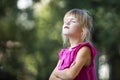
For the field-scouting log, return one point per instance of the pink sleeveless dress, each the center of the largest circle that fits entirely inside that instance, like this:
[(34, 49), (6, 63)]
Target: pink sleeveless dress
[(67, 57)]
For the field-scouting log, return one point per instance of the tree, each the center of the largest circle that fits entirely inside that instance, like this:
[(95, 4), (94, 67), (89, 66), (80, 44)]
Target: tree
[(30, 37)]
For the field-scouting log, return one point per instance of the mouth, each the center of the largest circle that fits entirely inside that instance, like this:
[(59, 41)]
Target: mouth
[(66, 27)]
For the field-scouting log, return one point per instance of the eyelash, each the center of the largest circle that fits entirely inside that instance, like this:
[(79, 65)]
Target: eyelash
[(73, 21), (70, 21)]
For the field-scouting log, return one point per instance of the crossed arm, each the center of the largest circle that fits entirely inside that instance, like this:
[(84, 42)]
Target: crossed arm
[(83, 59)]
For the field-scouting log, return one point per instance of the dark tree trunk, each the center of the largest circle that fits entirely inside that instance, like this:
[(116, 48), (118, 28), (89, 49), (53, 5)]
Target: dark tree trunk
[(115, 68)]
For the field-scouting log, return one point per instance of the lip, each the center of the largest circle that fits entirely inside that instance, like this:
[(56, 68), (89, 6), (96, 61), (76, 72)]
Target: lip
[(66, 27)]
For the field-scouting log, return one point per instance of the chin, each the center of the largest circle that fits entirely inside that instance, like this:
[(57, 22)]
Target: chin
[(66, 34)]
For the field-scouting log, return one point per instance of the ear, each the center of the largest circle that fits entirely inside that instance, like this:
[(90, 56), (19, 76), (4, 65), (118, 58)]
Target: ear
[(83, 34)]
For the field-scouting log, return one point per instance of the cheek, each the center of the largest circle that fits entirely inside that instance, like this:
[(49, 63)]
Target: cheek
[(76, 28)]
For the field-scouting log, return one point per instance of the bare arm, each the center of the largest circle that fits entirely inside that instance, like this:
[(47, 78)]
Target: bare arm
[(83, 59), (53, 76)]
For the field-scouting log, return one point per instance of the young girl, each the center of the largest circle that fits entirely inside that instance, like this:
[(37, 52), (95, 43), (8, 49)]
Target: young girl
[(76, 62)]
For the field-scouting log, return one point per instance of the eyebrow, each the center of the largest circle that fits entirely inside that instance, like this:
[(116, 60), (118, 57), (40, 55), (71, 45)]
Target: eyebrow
[(70, 19)]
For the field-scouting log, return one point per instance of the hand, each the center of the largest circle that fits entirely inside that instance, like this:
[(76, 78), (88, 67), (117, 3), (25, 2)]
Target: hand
[(72, 64)]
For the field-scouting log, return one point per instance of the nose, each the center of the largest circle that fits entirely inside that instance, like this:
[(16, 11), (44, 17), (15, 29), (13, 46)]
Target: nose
[(67, 22)]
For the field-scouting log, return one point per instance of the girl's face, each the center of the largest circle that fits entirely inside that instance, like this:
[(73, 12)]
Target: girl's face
[(71, 26)]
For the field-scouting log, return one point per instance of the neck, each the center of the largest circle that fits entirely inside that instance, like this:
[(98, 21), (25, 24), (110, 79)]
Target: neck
[(74, 41)]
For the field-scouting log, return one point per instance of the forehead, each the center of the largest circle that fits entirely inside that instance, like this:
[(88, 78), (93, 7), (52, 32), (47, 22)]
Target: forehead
[(71, 17)]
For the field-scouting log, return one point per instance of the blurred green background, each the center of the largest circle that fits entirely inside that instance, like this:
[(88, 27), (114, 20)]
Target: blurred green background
[(30, 37)]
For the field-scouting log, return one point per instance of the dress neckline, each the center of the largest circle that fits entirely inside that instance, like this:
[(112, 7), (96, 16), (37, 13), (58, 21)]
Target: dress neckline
[(76, 46)]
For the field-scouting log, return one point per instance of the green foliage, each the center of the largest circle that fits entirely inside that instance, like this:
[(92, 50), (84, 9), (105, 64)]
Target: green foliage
[(107, 24), (30, 39)]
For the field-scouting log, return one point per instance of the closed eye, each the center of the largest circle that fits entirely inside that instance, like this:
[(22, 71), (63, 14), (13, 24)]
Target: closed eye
[(73, 21)]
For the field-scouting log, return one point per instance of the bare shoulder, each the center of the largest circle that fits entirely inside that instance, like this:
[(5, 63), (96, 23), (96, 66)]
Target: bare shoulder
[(84, 54), (85, 50)]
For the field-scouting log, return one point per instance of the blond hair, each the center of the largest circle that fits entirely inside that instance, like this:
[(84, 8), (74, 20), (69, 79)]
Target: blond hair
[(85, 21)]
